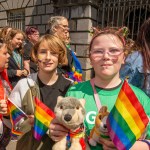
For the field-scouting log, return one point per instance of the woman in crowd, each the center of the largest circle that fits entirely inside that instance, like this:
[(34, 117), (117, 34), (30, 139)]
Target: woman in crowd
[(107, 51), (58, 26), (137, 66), (16, 70), (33, 35), (5, 89), (46, 85), (3, 33)]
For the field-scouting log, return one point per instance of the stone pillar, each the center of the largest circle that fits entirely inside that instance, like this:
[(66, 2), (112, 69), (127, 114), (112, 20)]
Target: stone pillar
[(82, 15)]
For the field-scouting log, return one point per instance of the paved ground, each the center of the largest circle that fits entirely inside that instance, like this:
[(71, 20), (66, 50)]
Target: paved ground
[(11, 145)]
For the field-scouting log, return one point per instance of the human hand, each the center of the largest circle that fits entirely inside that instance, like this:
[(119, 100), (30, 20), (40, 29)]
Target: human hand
[(25, 72), (19, 73), (3, 107), (31, 119), (107, 144), (57, 131)]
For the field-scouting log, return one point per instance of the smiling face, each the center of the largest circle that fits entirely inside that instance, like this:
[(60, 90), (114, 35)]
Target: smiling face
[(109, 58), (3, 57), (17, 41), (47, 58)]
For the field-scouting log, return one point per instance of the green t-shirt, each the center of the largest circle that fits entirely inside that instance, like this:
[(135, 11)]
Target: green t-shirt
[(107, 98)]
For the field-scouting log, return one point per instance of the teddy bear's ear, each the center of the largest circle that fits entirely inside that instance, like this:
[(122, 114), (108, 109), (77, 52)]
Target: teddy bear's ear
[(82, 101), (59, 98), (103, 109)]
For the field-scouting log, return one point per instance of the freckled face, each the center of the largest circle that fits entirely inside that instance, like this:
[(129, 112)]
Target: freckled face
[(107, 66), (47, 59)]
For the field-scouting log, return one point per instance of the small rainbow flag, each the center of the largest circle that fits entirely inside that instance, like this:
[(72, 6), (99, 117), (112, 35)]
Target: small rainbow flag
[(76, 72), (16, 114), (127, 120), (42, 119)]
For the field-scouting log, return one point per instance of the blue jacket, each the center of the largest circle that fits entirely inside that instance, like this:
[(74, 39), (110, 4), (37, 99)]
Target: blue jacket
[(133, 70)]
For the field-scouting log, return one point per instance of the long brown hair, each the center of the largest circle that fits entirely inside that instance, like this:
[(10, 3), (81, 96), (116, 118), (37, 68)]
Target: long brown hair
[(12, 33), (143, 44)]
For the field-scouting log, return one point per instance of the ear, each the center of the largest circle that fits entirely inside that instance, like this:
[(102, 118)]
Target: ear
[(82, 101), (54, 29), (103, 109), (59, 98), (91, 61)]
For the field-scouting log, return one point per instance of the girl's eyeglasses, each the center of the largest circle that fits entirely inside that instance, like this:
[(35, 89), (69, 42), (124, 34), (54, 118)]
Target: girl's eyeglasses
[(99, 53)]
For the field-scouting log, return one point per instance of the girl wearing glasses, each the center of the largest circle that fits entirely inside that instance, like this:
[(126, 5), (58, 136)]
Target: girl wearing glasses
[(107, 52)]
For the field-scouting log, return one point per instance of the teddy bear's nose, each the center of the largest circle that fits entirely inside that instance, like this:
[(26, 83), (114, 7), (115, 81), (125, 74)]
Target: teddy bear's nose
[(68, 117), (105, 126)]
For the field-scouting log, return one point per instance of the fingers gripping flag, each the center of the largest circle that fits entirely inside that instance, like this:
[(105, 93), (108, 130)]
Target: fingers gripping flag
[(16, 114)]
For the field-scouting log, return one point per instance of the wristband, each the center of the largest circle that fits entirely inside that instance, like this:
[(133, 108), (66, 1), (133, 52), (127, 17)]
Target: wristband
[(147, 142)]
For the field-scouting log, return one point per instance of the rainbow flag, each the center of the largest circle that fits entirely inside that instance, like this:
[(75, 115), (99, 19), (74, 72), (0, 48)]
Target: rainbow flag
[(42, 119), (76, 72), (127, 120), (16, 114)]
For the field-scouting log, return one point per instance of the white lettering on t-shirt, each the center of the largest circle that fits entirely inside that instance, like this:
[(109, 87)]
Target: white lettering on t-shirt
[(90, 117)]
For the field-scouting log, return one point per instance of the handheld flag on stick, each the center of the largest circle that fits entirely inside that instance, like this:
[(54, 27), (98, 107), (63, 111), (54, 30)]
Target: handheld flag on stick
[(127, 120), (42, 119), (76, 73), (16, 114)]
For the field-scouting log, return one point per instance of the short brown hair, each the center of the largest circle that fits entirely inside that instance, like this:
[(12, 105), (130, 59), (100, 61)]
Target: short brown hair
[(55, 44)]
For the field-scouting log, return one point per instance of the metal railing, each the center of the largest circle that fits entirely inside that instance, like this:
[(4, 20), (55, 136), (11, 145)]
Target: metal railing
[(130, 13), (16, 19)]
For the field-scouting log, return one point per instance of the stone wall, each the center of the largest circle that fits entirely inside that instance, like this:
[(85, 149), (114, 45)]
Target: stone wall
[(37, 12), (82, 16)]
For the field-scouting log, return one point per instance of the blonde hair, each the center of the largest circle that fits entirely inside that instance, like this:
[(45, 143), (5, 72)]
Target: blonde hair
[(3, 32), (54, 21), (55, 45)]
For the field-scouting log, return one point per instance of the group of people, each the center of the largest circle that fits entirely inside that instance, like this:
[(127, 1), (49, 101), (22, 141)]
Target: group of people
[(108, 51)]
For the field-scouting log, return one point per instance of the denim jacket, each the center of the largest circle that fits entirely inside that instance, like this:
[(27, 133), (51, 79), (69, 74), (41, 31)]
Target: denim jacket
[(133, 70)]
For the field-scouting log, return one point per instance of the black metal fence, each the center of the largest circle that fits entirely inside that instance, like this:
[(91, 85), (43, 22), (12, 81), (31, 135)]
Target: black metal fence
[(130, 13)]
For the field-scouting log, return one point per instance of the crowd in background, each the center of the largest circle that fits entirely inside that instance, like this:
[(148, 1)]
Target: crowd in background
[(45, 64)]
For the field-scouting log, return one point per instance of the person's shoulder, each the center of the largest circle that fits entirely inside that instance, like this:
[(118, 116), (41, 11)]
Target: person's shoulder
[(133, 57), (138, 92), (64, 81)]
